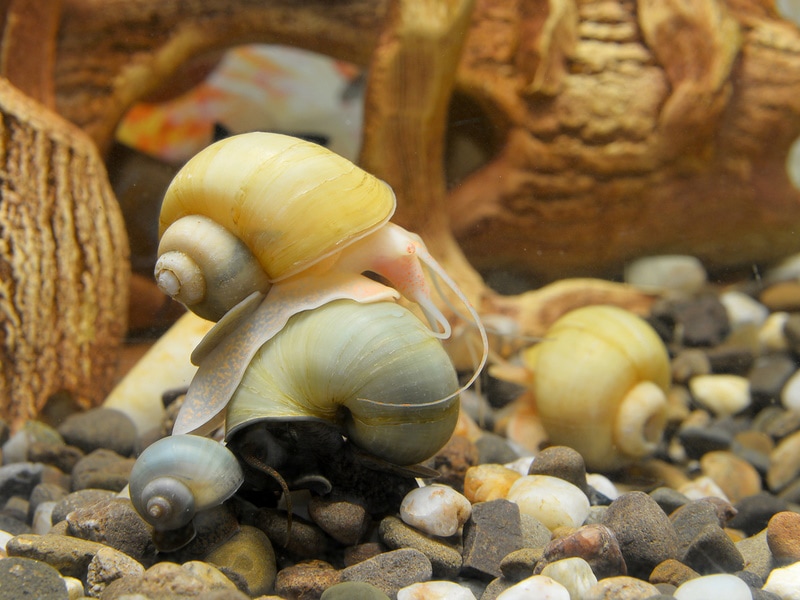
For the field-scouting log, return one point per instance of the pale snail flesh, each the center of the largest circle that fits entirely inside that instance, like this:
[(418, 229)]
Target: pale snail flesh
[(373, 370), (599, 381), (181, 475)]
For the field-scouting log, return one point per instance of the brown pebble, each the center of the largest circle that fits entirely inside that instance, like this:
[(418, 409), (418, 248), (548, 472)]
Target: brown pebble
[(360, 552), (343, 520), (102, 469), (306, 580), (115, 523), (673, 572), (596, 544), (621, 588), (783, 536), (562, 462), (735, 476), (782, 296), (248, 555)]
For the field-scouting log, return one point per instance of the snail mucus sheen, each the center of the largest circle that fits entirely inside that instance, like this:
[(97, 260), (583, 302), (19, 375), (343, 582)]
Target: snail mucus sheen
[(314, 374)]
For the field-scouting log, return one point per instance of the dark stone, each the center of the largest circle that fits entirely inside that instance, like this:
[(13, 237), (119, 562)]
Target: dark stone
[(494, 449), (27, 578), (100, 428), (713, 551), (492, 531), (767, 378), (391, 571), (668, 499), (102, 469), (19, 479), (697, 441), (596, 544), (562, 462), (733, 360), (754, 512), (353, 590)]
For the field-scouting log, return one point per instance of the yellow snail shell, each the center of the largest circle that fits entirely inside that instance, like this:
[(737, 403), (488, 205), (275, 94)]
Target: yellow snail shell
[(600, 378), (286, 204), (374, 370)]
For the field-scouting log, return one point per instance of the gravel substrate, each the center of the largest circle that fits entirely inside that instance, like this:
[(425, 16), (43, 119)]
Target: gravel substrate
[(714, 513)]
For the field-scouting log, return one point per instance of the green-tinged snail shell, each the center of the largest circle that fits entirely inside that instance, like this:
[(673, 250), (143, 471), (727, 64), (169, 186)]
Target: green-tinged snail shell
[(283, 203), (375, 370), (178, 476)]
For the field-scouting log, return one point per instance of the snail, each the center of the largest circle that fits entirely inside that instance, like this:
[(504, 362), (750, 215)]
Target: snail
[(180, 475), (599, 381), (259, 227)]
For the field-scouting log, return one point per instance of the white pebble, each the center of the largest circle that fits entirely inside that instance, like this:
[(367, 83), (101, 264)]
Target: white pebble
[(771, 336), (522, 465), (4, 537), (553, 501), (702, 487), (743, 309), (790, 394), (435, 509), (75, 587), (784, 582), (435, 590), (575, 574), (789, 268), (540, 587), (721, 585), (603, 485), (43, 517), (674, 272), (723, 395)]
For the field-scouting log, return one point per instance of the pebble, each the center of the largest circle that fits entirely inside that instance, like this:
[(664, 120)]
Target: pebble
[(743, 309), (689, 519), (672, 572), (108, 565), (17, 448), (435, 509), (520, 564), (248, 554), (69, 556), (785, 582), (306, 540), (180, 583), (767, 378), (757, 556), (26, 578), (553, 501), (211, 575), (19, 479), (102, 469), (353, 590), (783, 536), (306, 579), (720, 585), (488, 482), (494, 449), (754, 512), (668, 499), (534, 533), (723, 395), (621, 587), (700, 320), (784, 295), (452, 461), (79, 499), (790, 392), (537, 586), (445, 560), (596, 544), (492, 531), (96, 428), (391, 571), (562, 462), (435, 590), (602, 484), (345, 521), (702, 487), (643, 531), (575, 574), (772, 333), (736, 477), (115, 523), (711, 550), (667, 272), (784, 462)]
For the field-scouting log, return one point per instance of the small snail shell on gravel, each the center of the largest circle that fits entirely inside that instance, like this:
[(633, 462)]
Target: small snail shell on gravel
[(599, 380)]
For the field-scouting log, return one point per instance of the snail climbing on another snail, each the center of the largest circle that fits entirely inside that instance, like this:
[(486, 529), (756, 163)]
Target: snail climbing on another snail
[(259, 227)]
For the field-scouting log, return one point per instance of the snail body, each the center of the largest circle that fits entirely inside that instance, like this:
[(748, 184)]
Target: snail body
[(599, 381)]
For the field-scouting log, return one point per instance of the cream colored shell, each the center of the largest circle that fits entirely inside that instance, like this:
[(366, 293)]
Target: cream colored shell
[(291, 202), (600, 378)]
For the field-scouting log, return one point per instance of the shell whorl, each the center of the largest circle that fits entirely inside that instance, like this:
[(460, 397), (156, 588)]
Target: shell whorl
[(178, 476), (291, 202), (375, 370)]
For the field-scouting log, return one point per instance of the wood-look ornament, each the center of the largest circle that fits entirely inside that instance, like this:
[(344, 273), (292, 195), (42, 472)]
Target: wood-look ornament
[(63, 262)]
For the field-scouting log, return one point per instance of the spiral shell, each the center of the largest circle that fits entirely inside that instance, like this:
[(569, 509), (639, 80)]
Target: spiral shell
[(180, 475), (374, 370), (290, 203)]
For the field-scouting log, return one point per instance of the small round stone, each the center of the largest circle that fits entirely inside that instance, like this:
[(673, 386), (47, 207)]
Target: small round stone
[(667, 272), (562, 462), (784, 465), (673, 572), (723, 394), (537, 586), (435, 509), (596, 544), (553, 501), (435, 590), (306, 580), (249, 554), (100, 428), (785, 582), (575, 574), (783, 536), (621, 587), (754, 512), (343, 520), (353, 590), (109, 565), (790, 393), (772, 333), (737, 478), (488, 482), (391, 571), (721, 585), (445, 560)]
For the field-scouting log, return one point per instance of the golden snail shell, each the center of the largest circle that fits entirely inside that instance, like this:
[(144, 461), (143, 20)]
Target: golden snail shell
[(180, 475), (288, 202), (600, 379), (374, 370)]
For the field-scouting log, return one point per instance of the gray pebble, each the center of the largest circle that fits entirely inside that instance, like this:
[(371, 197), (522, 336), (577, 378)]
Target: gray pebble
[(100, 428), (668, 499), (756, 554), (81, 498), (534, 533), (61, 456), (102, 469), (391, 571), (44, 492), (712, 551), (733, 360), (353, 590), (688, 363), (115, 523), (69, 556), (492, 531), (19, 479), (697, 441), (343, 520), (621, 588), (26, 578), (496, 587), (494, 449), (754, 512), (17, 448), (767, 378), (643, 531), (445, 560), (689, 519), (562, 462), (13, 524), (519, 565), (108, 565)]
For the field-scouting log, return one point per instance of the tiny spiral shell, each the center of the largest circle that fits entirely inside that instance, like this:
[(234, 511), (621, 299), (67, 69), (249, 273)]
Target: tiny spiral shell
[(180, 475)]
